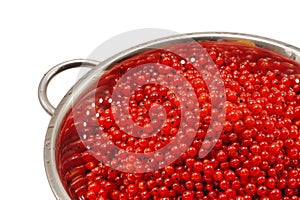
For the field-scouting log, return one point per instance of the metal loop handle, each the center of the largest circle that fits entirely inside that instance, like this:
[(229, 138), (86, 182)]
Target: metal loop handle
[(42, 91)]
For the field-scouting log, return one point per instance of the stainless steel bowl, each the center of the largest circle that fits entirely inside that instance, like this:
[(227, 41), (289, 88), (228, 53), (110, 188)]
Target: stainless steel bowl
[(97, 70)]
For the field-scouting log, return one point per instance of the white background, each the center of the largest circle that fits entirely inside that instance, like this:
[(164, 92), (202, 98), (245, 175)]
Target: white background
[(36, 35)]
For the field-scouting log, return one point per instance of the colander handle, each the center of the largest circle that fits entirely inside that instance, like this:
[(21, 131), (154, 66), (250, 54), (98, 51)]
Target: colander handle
[(42, 91)]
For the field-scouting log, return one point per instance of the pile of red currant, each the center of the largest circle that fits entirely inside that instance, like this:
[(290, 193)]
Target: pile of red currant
[(256, 156)]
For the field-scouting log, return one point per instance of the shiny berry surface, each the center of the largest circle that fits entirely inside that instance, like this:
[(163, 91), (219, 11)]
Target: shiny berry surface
[(256, 156)]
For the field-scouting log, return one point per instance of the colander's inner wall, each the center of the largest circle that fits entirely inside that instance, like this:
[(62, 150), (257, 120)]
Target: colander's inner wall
[(80, 152)]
